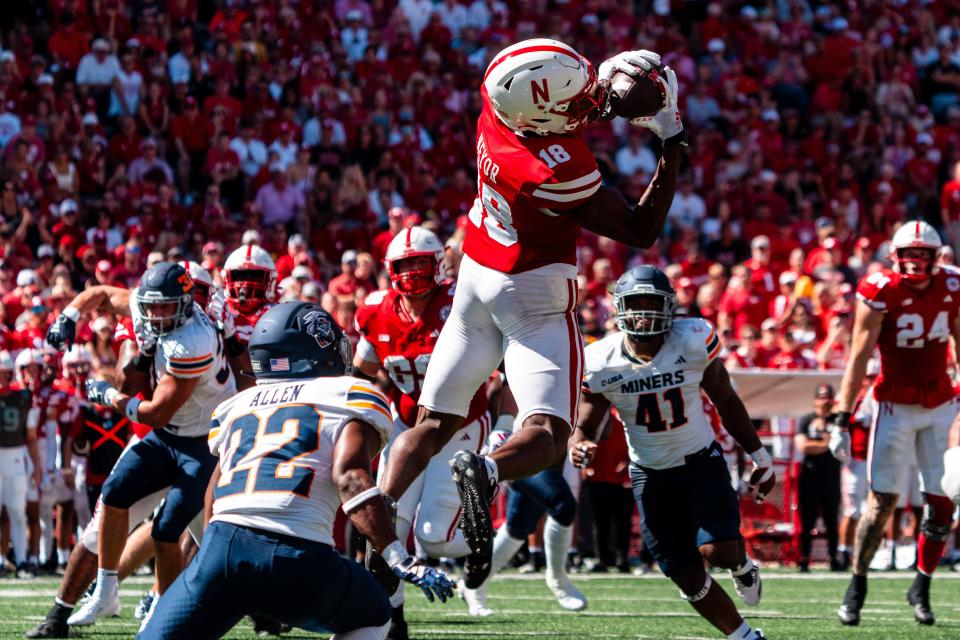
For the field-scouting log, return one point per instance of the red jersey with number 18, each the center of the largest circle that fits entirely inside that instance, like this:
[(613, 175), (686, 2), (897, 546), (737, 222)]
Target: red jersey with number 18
[(914, 335), (524, 181)]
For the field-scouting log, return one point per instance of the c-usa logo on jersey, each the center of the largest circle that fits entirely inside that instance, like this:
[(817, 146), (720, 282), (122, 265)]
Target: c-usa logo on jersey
[(444, 312), (953, 284), (318, 326)]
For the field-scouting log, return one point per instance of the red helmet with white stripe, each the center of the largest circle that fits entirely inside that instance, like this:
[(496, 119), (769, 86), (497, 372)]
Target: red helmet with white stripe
[(250, 278), (415, 261), (915, 246), (202, 282), (543, 86)]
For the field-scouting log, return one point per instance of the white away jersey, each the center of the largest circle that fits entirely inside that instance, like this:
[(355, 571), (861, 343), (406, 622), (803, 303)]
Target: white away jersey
[(659, 402), (275, 443), (193, 350)]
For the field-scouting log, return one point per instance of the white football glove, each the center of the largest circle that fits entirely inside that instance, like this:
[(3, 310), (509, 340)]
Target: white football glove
[(215, 307), (839, 429), (628, 62), (951, 474), (146, 342), (666, 123)]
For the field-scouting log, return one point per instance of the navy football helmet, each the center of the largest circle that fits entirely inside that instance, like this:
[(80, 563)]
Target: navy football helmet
[(165, 298), (641, 319), (298, 340)]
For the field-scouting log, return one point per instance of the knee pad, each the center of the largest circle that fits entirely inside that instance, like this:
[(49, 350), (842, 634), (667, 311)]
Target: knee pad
[(699, 595), (937, 518), (564, 511)]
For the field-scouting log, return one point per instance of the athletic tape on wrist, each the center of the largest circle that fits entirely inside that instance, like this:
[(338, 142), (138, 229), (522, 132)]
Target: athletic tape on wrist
[(109, 395), (395, 553), (360, 498), (71, 312), (133, 404), (761, 458)]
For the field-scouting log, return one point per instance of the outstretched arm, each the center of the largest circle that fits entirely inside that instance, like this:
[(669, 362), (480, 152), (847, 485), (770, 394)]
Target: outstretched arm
[(103, 298), (608, 214)]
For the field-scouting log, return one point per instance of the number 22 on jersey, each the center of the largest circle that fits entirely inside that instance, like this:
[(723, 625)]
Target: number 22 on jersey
[(262, 450)]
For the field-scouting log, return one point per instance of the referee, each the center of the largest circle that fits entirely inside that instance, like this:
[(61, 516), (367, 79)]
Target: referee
[(819, 486)]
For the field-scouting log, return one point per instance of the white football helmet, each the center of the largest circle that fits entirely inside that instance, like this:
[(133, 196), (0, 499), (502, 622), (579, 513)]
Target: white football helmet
[(250, 278), (544, 86), (202, 282), (414, 261), (26, 358), (77, 362), (915, 234)]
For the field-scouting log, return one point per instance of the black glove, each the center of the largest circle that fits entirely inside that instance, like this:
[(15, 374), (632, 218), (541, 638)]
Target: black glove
[(62, 332)]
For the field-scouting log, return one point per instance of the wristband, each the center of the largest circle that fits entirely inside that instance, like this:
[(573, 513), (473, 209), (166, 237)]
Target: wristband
[(504, 423), (133, 404), (142, 363), (360, 498), (761, 458), (395, 553), (71, 312)]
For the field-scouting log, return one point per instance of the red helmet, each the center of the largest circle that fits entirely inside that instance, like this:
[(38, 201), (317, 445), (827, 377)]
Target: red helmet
[(414, 261)]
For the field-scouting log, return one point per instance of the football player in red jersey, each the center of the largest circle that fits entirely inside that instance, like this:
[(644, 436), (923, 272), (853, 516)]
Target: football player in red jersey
[(516, 292), (910, 313), (250, 284), (399, 328)]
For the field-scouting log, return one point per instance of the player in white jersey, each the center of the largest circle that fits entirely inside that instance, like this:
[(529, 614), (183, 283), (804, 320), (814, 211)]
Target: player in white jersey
[(290, 450), (653, 373), (184, 352)]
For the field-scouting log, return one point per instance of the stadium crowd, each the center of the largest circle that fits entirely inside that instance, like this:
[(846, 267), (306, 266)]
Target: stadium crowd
[(133, 131)]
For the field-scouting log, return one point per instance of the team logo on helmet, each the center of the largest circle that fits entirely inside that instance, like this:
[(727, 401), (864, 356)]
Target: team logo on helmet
[(318, 326)]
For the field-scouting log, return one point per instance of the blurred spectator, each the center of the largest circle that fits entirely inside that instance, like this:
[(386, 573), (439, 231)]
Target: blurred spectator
[(819, 486), (278, 201)]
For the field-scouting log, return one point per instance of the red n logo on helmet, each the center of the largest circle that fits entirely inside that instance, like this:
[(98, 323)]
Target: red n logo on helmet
[(539, 91)]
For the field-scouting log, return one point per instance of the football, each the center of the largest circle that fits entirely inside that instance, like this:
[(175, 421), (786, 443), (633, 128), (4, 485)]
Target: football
[(632, 97)]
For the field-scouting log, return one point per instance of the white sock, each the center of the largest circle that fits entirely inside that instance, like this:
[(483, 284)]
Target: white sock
[(366, 633), (842, 548), (63, 555), (556, 541), (456, 548), (743, 631), (504, 547), (106, 581), (492, 471)]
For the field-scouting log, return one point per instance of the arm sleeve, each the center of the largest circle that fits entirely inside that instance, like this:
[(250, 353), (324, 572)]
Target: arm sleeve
[(368, 404)]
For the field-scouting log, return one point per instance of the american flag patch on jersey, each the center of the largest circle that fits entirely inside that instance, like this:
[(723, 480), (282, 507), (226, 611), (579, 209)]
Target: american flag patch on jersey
[(279, 364)]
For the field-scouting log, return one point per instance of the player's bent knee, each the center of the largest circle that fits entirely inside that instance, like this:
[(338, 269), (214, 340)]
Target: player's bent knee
[(937, 518), (724, 555), (694, 589), (564, 511)]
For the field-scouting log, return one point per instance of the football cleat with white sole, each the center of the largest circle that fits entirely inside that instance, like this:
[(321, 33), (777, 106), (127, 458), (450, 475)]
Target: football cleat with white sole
[(149, 613), (476, 600), (919, 597), (144, 605), (569, 597), (853, 599), (747, 582), (99, 606)]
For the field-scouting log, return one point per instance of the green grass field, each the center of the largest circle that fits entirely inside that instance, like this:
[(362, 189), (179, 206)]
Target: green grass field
[(794, 607)]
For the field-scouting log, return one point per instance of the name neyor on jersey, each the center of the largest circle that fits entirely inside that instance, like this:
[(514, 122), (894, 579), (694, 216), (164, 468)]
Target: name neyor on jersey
[(659, 401), (914, 336), (275, 443), (403, 348), (523, 181)]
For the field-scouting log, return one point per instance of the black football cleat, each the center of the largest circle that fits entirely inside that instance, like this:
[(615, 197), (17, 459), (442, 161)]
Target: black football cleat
[(469, 473), (50, 629), (919, 597), (849, 611)]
